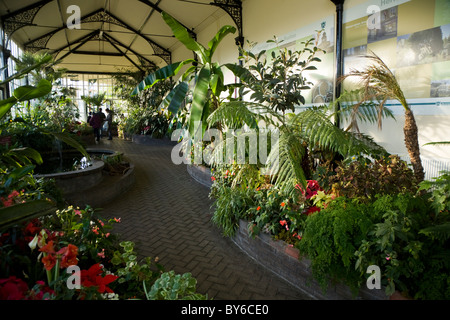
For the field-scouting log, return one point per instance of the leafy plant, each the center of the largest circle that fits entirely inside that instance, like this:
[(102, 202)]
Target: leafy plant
[(389, 175), (412, 260), (132, 272), (331, 237), (277, 80), (171, 286)]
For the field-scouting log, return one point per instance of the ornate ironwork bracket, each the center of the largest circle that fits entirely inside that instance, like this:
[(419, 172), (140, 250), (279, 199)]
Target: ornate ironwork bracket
[(234, 10), (105, 17), (13, 21)]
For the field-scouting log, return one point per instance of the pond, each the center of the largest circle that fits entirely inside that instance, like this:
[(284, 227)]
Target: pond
[(67, 161)]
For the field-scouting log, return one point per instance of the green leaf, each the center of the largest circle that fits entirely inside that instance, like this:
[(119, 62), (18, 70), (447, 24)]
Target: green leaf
[(200, 96), (222, 33), (28, 153), (65, 137), (176, 97), (45, 59), (184, 37), (6, 104), (242, 73), (25, 93), (159, 75)]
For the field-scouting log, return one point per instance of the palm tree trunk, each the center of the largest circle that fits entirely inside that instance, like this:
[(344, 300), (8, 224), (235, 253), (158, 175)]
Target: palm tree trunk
[(412, 144)]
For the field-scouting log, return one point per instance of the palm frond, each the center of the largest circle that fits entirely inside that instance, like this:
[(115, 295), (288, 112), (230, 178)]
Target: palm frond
[(354, 109), (438, 143), (378, 80)]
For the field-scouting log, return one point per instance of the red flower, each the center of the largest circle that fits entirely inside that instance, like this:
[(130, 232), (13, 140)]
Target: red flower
[(259, 208), (311, 189), (49, 261), (12, 289), (48, 248), (311, 210), (93, 278)]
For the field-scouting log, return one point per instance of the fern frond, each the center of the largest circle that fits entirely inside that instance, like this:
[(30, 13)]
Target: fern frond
[(236, 114), (285, 160), (320, 131), (439, 232)]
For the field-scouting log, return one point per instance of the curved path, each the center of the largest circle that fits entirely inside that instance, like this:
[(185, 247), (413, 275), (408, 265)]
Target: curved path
[(168, 215)]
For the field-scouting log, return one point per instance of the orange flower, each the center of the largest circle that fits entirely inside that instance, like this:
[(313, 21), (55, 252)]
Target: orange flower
[(49, 261), (48, 248), (283, 204), (259, 208)]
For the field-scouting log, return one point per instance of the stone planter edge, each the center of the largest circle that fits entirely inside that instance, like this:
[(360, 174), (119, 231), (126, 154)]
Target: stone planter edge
[(286, 262)]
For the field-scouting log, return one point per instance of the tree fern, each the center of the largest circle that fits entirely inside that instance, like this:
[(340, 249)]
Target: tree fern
[(439, 232), (236, 114)]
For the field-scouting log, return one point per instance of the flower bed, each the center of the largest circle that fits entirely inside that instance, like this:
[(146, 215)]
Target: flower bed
[(73, 255), (360, 220)]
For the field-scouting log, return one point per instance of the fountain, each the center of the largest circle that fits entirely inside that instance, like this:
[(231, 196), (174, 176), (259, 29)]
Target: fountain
[(86, 183)]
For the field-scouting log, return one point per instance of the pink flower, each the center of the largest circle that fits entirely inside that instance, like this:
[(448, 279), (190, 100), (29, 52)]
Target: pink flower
[(101, 254)]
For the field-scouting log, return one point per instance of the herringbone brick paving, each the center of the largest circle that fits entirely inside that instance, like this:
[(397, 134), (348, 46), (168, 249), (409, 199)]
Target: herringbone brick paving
[(168, 215)]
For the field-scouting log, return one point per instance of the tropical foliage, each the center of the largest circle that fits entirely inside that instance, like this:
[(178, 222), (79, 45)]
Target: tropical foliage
[(204, 71), (334, 193)]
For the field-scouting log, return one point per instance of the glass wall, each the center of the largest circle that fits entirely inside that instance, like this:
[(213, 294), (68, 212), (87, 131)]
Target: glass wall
[(90, 85)]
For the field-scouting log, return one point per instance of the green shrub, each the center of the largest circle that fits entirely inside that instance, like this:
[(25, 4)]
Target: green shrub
[(384, 176), (332, 236), (393, 232), (171, 286)]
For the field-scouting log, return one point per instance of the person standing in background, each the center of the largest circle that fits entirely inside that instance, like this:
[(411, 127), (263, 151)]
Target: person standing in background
[(96, 123), (109, 117)]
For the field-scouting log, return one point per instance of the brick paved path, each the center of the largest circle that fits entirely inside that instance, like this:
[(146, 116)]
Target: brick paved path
[(168, 215)]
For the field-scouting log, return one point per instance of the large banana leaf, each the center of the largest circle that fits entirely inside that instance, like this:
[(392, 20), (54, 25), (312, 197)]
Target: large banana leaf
[(200, 97), (159, 75), (176, 97), (25, 93), (24, 211), (213, 44), (184, 37)]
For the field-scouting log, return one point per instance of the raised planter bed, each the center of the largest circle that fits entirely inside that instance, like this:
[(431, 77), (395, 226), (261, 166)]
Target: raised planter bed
[(93, 186), (284, 261)]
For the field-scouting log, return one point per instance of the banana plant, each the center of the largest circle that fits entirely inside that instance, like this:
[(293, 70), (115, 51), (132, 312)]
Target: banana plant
[(208, 75)]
